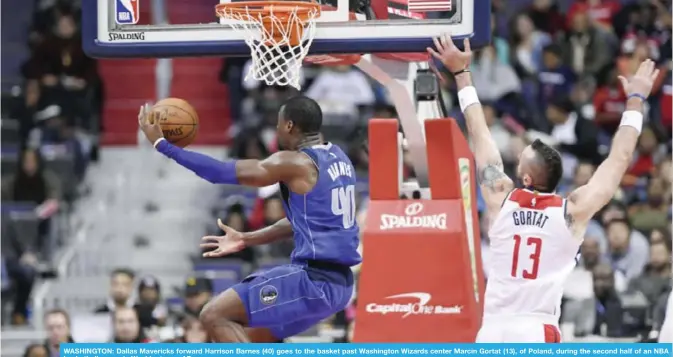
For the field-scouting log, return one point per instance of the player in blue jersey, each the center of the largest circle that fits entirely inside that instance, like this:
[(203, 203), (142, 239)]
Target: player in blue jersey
[(317, 183)]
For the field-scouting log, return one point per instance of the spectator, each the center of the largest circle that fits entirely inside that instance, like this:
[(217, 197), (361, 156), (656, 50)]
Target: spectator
[(121, 289), (501, 136), (65, 71), (52, 129), (626, 258), (36, 350), (237, 220), (647, 155), (21, 263), (193, 331), (585, 48), (659, 312), (600, 12), (608, 309), (609, 102), (546, 16), (36, 185), (583, 173), (627, 63), (341, 89), (198, 291), (666, 101), (615, 209), (527, 46), (127, 327), (500, 44), (578, 293), (57, 323), (493, 79), (151, 310), (659, 235), (250, 146), (556, 79), (656, 279), (653, 213), (574, 136)]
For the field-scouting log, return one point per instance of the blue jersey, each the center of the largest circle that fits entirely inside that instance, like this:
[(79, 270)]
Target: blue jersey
[(323, 220)]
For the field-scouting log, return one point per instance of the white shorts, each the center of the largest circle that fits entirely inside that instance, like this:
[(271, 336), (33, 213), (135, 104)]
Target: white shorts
[(530, 329)]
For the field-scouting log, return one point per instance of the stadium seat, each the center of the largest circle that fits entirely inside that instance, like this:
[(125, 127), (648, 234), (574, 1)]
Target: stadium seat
[(10, 132), (62, 164), (269, 263), (10, 160), (230, 265), (222, 284)]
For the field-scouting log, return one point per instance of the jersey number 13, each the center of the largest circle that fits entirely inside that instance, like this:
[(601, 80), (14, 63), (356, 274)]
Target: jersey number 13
[(532, 246), (343, 204)]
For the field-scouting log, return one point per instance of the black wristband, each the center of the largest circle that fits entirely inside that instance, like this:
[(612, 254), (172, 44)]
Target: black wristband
[(465, 70)]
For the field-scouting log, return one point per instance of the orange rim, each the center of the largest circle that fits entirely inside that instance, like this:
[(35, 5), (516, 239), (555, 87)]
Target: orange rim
[(301, 8), (272, 14)]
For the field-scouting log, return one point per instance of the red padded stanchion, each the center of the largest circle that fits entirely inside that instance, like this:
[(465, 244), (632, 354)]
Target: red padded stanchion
[(417, 282)]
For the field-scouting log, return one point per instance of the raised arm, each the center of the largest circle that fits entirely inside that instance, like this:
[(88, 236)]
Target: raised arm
[(495, 185), (586, 200)]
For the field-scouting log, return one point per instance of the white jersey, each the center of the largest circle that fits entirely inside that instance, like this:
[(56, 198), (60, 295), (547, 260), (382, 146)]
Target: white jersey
[(532, 252)]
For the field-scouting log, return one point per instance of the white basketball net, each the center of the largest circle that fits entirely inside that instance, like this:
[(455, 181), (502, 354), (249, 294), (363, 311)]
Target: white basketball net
[(274, 60)]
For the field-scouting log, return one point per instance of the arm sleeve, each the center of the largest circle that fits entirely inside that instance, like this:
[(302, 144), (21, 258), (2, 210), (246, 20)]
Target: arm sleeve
[(209, 169)]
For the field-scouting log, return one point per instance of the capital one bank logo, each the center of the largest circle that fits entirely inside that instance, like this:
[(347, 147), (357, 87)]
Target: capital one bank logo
[(420, 306), (413, 218)]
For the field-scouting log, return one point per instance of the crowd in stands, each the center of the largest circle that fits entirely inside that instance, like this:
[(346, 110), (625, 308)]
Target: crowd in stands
[(49, 131), (549, 74)]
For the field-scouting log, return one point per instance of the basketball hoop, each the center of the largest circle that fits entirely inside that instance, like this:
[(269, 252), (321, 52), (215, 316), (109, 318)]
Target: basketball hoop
[(279, 34)]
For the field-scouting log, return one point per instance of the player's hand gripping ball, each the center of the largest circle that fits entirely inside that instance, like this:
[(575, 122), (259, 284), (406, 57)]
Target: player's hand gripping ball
[(172, 118)]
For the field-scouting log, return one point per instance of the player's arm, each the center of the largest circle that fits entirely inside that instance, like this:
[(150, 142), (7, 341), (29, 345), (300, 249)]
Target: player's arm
[(282, 166), (275, 232), (495, 185), (586, 200)]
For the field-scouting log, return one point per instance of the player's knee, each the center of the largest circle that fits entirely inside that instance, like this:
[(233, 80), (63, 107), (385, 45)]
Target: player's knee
[(208, 315)]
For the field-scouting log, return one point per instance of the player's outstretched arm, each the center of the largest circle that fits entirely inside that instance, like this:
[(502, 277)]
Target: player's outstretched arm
[(495, 184), (283, 166), (585, 201), (275, 232), (291, 167), (234, 241)]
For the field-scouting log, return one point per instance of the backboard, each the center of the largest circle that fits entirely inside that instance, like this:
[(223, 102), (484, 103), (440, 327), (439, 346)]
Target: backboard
[(111, 28)]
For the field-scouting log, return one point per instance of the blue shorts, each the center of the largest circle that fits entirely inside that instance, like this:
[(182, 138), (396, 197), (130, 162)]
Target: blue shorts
[(289, 299)]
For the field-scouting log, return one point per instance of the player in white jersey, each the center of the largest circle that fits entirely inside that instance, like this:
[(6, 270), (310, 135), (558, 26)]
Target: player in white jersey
[(535, 234)]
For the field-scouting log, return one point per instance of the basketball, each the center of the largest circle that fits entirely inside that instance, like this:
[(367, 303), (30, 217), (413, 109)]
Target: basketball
[(178, 119)]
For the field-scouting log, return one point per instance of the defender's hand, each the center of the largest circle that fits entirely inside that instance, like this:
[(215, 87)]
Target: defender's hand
[(642, 81), (231, 242), (453, 59), (149, 124)]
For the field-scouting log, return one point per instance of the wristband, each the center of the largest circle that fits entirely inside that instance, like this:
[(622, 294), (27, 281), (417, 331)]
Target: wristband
[(466, 97), (636, 95), (465, 70), (633, 119), (157, 142)]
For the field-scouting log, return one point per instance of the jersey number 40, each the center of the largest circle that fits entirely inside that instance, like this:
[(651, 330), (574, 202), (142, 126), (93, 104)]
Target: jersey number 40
[(532, 245), (343, 204)]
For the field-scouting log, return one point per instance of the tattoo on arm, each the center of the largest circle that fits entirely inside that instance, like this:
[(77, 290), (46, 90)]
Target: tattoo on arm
[(491, 174), (570, 220)]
